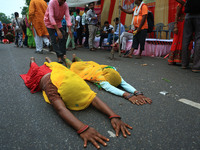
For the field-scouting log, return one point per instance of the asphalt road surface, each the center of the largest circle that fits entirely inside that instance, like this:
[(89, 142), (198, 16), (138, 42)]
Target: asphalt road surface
[(171, 122)]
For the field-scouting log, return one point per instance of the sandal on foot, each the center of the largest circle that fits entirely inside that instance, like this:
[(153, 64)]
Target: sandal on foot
[(184, 67), (128, 56), (91, 49), (196, 71)]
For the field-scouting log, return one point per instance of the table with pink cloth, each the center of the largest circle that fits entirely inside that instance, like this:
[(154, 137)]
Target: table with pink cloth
[(153, 47)]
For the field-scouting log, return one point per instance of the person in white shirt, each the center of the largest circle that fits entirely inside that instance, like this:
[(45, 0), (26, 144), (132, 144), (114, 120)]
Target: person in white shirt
[(78, 28), (106, 30)]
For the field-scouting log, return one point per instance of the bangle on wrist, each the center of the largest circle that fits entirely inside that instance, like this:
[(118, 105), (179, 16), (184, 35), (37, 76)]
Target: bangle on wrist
[(114, 116), (131, 95), (138, 93), (83, 129)]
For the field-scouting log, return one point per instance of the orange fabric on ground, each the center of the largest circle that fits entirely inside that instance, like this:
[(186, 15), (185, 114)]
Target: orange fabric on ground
[(138, 19), (37, 9)]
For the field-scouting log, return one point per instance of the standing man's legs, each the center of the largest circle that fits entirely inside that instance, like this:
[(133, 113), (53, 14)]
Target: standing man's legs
[(56, 46), (46, 41), (79, 36), (187, 37), (86, 36), (62, 43), (196, 62), (38, 42), (142, 39), (92, 33), (69, 39)]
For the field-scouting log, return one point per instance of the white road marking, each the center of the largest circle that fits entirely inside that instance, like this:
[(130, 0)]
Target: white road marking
[(191, 103), (111, 134)]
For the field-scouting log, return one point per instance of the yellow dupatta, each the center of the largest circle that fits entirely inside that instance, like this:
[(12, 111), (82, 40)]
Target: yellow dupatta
[(91, 71), (75, 92)]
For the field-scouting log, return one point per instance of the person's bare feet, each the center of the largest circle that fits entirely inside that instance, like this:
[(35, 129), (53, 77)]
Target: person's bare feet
[(138, 57), (128, 56), (64, 56), (48, 59), (32, 59), (73, 57)]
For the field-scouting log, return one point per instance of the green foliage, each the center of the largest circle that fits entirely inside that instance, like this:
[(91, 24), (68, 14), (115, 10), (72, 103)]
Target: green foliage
[(4, 18), (24, 10), (28, 2)]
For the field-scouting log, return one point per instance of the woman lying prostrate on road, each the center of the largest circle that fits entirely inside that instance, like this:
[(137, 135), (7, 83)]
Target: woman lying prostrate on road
[(106, 77), (65, 90)]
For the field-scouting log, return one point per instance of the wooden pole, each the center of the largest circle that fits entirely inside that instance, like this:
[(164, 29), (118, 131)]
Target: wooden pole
[(112, 50)]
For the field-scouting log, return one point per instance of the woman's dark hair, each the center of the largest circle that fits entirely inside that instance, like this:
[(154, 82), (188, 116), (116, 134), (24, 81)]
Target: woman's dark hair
[(16, 14), (78, 11)]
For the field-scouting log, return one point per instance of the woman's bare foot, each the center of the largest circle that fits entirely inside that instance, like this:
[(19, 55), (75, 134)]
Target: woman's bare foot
[(138, 57), (73, 57), (64, 56), (32, 59), (48, 59), (128, 56)]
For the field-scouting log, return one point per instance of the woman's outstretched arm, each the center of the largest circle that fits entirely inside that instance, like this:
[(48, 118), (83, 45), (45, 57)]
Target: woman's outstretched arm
[(116, 122), (86, 133)]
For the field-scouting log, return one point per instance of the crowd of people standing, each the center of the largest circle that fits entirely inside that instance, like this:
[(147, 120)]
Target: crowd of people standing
[(54, 25)]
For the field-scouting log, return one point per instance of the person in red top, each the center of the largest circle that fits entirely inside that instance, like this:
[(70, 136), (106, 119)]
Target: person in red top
[(139, 25)]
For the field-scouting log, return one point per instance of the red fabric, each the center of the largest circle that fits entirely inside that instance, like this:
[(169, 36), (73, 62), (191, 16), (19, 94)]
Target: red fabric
[(5, 29), (112, 6), (123, 17), (5, 41), (102, 4), (172, 10), (176, 48), (34, 75)]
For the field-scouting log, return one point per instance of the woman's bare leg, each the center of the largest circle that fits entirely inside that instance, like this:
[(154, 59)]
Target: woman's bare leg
[(75, 58), (32, 59), (48, 59), (67, 62)]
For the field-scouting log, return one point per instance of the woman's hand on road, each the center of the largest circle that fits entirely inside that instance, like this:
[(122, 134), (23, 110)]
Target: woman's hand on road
[(93, 136), (119, 125)]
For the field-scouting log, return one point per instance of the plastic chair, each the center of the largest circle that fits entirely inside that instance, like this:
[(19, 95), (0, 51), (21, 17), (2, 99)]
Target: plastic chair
[(170, 30), (158, 28)]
